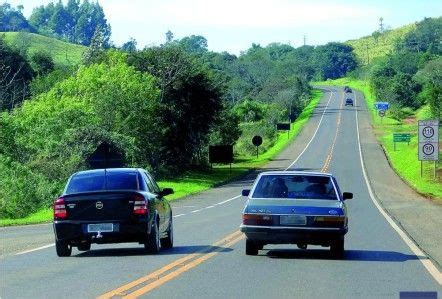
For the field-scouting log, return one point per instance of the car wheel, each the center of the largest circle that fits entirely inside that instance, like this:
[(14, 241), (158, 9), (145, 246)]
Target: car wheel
[(337, 248), (84, 247), (153, 240), (167, 242), (63, 249), (251, 248)]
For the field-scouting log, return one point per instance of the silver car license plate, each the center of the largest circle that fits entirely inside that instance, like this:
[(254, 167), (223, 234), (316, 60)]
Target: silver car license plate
[(100, 227), (292, 220)]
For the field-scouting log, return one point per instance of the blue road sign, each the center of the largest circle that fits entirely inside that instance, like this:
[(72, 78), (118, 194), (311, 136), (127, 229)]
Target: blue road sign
[(381, 105)]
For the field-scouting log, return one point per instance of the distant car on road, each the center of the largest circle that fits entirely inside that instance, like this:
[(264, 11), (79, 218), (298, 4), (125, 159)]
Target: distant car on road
[(349, 102), (112, 206), (347, 89), (293, 207)]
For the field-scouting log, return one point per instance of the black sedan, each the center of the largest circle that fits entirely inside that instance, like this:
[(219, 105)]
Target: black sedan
[(112, 206), (290, 207)]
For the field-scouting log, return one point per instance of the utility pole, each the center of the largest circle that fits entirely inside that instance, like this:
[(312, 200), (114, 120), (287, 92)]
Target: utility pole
[(305, 40)]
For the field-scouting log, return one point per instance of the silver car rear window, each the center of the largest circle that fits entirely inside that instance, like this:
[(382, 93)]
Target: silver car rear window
[(295, 186)]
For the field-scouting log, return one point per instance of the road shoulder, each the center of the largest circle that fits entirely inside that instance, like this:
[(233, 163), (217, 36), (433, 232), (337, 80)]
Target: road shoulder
[(419, 217)]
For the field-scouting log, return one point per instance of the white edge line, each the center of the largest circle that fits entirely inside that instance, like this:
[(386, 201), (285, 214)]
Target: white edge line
[(316, 131), (35, 249), (428, 264)]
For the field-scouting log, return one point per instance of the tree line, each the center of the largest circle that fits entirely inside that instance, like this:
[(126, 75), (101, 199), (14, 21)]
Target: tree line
[(75, 22), (410, 76)]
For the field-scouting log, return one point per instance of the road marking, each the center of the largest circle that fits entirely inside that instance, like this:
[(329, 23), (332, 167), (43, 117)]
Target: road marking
[(182, 265), (314, 134), (179, 215), (332, 148), (35, 249), (428, 264), (181, 270)]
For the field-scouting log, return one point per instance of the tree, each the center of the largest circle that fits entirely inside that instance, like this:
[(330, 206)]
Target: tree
[(169, 37), (334, 60), (15, 75), (74, 22), (12, 19), (130, 46), (195, 44), (189, 104), (431, 78), (42, 62), (95, 51)]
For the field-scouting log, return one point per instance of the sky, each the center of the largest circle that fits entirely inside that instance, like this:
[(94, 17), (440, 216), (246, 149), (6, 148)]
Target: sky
[(233, 25)]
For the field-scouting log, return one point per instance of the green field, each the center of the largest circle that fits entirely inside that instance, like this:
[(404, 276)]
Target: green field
[(368, 48), (194, 182), (404, 158), (62, 52)]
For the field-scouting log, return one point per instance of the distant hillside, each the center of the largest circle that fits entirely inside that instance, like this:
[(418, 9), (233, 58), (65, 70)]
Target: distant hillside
[(368, 48), (62, 52)]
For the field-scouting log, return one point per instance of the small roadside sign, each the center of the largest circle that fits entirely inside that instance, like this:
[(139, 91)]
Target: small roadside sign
[(428, 140), (381, 105), (381, 113), (283, 126), (401, 137)]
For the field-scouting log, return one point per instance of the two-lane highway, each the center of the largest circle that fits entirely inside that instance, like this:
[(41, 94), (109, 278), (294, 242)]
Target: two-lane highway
[(208, 259)]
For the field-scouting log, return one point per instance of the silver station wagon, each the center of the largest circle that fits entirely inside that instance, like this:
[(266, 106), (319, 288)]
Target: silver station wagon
[(293, 207)]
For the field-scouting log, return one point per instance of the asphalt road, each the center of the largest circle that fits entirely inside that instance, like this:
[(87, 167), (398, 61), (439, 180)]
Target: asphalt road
[(208, 260)]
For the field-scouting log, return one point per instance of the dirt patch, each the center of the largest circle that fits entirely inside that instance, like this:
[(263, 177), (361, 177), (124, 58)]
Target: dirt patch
[(410, 121)]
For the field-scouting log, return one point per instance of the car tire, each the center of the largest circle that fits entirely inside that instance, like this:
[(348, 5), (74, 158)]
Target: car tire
[(251, 248), (63, 249), (84, 247), (337, 248), (152, 244), (167, 242)]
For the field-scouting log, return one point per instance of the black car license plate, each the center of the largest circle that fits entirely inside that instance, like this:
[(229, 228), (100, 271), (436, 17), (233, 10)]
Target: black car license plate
[(100, 227)]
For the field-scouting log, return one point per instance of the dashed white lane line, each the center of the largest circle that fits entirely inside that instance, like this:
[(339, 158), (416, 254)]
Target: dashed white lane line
[(179, 215), (35, 249), (431, 268)]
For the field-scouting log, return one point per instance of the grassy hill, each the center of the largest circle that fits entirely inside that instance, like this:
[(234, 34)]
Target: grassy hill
[(62, 52), (368, 48)]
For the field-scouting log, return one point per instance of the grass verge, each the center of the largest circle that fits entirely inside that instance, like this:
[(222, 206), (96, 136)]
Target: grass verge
[(198, 181), (404, 159)]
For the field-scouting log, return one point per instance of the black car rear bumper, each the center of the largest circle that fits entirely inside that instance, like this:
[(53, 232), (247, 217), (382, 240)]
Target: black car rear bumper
[(75, 232), (293, 235)]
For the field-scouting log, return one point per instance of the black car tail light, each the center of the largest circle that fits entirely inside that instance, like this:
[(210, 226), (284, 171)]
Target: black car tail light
[(60, 209), (256, 219), (140, 205)]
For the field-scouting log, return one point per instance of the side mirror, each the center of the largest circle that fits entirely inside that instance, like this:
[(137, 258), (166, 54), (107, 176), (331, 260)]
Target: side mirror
[(347, 195), (166, 191), (245, 192)]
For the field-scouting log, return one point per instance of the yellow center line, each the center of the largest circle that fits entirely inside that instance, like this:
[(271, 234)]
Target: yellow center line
[(179, 271), (332, 148), (122, 291)]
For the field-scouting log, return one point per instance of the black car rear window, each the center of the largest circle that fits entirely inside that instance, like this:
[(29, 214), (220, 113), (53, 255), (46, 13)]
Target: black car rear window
[(100, 182), (295, 186)]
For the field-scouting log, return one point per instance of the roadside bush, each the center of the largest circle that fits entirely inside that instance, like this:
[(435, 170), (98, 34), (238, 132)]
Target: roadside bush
[(23, 191), (266, 130)]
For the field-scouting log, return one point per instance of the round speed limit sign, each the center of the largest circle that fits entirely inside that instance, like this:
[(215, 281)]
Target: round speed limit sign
[(428, 149), (428, 132)]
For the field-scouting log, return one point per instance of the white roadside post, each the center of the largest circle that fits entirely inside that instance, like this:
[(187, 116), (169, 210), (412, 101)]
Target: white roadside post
[(429, 142)]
